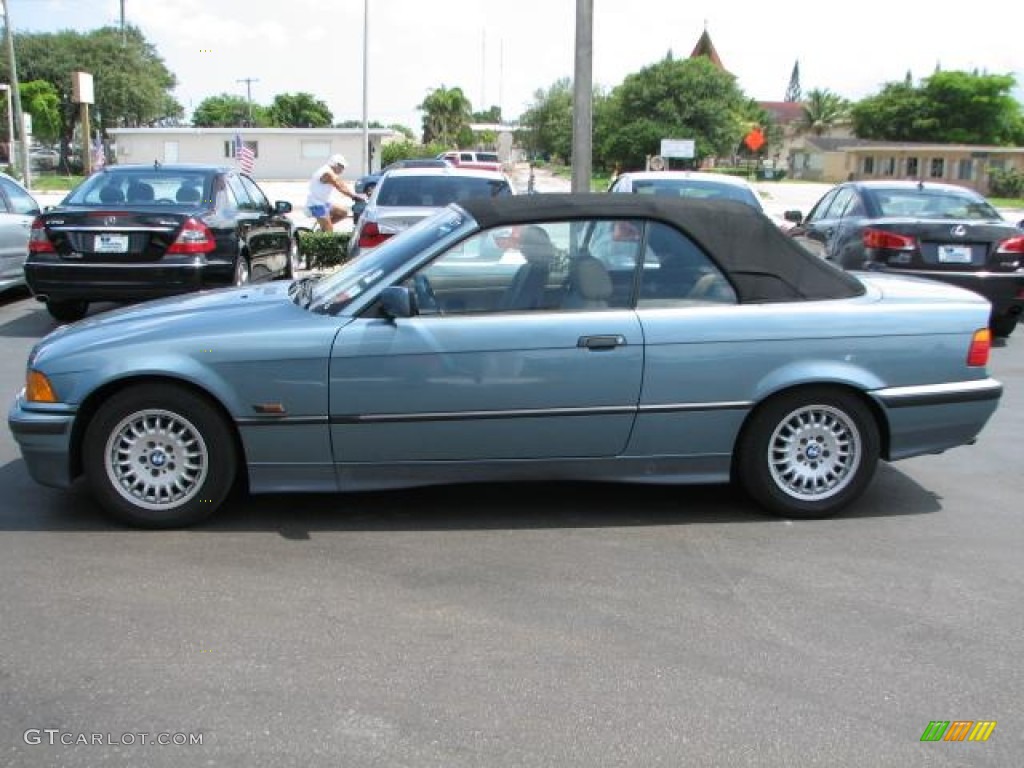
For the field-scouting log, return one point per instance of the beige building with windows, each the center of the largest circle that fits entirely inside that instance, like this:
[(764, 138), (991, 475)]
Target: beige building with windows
[(281, 153), (831, 159)]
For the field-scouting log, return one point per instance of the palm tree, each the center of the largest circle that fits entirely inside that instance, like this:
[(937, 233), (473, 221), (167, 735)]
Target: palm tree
[(822, 109), (446, 112)]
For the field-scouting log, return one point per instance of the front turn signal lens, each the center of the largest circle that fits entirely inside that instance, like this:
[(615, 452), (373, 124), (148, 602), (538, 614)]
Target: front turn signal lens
[(38, 389), (981, 345)]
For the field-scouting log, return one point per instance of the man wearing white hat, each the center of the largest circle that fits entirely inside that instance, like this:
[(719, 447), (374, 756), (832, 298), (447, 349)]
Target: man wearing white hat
[(325, 179)]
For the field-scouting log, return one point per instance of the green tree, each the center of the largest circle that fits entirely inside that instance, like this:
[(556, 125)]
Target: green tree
[(132, 85), (41, 100), (948, 107), (685, 99), (492, 115), (546, 126), (446, 116), (299, 110), (822, 110), (228, 110)]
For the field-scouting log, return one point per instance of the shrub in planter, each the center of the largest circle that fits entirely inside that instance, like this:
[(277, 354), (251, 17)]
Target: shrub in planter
[(323, 250)]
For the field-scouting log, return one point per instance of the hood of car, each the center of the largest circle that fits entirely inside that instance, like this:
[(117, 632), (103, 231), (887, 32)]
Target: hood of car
[(202, 317)]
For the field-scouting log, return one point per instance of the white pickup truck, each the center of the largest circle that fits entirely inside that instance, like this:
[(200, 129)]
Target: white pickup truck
[(466, 158)]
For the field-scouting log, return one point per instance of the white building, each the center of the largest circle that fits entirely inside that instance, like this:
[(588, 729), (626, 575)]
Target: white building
[(282, 154)]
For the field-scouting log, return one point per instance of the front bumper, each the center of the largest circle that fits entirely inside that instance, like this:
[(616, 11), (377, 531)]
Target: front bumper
[(43, 432)]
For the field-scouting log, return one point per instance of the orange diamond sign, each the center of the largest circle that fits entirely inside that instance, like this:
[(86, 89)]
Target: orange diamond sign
[(754, 140)]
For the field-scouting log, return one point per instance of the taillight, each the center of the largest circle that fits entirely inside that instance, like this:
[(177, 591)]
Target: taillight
[(1013, 245), (38, 242), (370, 235), (194, 237), (889, 241), (981, 345)]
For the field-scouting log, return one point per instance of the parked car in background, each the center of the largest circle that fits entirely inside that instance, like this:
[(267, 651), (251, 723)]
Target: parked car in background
[(132, 232), (464, 158), (43, 158), (365, 184), (753, 361), (18, 209), (408, 195), (692, 184), (940, 231)]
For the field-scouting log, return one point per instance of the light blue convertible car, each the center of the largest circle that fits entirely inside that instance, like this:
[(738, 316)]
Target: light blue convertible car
[(596, 337)]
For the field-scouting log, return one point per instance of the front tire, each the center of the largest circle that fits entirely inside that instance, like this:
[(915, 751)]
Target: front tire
[(159, 456), (242, 274), (808, 453), (67, 310)]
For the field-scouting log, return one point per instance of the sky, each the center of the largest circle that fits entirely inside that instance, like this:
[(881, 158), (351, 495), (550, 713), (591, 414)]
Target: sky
[(502, 51)]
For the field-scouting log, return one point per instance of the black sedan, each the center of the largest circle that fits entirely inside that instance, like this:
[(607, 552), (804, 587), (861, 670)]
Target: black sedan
[(940, 231), (133, 232)]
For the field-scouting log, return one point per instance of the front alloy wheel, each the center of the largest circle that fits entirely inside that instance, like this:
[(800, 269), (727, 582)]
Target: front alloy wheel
[(808, 453), (159, 456)]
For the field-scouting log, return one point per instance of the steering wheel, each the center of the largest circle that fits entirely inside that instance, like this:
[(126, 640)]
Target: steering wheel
[(425, 298)]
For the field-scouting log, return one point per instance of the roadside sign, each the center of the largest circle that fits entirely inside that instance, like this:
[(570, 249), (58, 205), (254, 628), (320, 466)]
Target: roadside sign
[(685, 148), (754, 140)]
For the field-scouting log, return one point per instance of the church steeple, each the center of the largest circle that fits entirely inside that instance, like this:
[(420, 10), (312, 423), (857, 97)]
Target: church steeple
[(705, 47)]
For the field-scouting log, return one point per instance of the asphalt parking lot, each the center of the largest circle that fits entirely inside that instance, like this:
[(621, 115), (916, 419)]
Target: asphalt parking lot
[(519, 625)]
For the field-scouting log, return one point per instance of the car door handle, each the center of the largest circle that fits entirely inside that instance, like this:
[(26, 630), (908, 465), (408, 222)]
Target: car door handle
[(601, 342)]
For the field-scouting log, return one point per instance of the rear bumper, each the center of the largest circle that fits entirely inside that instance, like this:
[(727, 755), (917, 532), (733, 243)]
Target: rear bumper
[(122, 282), (935, 417), (1004, 291)]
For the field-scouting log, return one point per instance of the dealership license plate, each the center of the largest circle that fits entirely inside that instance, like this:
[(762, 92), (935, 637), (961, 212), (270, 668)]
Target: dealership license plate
[(110, 244), (955, 254)]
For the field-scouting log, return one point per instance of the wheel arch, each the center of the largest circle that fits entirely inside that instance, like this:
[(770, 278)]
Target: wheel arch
[(91, 404), (874, 408)]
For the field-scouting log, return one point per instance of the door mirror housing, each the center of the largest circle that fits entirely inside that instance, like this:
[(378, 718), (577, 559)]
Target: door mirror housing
[(397, 301), (794, 216), (282, 207)]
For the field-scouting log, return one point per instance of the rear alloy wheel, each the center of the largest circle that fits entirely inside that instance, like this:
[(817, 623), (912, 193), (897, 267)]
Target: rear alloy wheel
[(241, 270), (808, 453), (159, 456), (67, 310), (1003, 325)]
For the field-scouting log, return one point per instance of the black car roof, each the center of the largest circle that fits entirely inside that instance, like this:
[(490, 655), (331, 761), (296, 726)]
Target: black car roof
[(762, 262), (175, 168)]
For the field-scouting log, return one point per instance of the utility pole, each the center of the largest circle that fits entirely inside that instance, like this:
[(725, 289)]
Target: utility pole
[(123, 38), (583, 97), (18, 114), (366, 86), (248, 94)]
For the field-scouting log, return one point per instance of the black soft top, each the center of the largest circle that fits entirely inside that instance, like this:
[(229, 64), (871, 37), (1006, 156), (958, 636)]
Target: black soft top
[(763, 264)]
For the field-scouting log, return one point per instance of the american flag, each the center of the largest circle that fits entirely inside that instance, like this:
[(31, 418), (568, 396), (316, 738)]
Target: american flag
[(244, 155), (99, 156)]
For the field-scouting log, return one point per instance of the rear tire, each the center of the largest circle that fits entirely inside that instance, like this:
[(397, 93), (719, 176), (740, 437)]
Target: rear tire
[(808, 453), (67, 310), (159, 456), (1003, 325)]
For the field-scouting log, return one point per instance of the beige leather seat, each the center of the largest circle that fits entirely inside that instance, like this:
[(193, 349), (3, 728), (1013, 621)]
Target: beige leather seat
[(590, 285)]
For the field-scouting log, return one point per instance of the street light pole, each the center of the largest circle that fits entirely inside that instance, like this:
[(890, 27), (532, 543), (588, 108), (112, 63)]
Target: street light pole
[(248, 93), (10, 124), (583, 97), (20, 119)]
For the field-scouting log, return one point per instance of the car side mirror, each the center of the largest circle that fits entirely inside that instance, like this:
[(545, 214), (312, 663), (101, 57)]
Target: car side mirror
[(282, 206), (397, 301), (794, 216), (1020, 224)]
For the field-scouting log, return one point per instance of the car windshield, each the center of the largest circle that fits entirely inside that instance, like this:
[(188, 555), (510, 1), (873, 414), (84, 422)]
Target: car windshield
[(437, 191), (141, 186), (925, 203), (704, 190), (335, 292)]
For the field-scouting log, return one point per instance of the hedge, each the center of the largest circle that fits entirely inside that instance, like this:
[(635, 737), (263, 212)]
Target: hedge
[(323, 250)]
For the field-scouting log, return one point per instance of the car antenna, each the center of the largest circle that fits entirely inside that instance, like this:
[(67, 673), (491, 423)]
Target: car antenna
[(156, 165), (920, 184)]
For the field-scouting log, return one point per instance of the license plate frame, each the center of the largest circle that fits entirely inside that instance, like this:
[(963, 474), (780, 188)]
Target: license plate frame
[(954, 254), (110, 243)]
